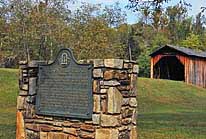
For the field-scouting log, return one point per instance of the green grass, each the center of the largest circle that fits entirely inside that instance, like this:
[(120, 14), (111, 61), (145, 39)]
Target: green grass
[(171, 110), (8, 94), (167, 109)]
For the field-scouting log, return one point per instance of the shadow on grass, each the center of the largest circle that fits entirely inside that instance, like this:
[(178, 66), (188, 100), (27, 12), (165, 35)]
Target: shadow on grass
[(7, 131), (188, 124)]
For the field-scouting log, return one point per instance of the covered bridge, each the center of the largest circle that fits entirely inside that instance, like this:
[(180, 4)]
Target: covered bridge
[(178, 63)]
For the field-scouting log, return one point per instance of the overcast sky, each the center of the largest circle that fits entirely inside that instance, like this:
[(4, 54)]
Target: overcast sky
[(132, 17)]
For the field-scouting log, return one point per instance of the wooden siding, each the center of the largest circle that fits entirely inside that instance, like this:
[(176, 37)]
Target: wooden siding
[(195, 68), (154, 61)]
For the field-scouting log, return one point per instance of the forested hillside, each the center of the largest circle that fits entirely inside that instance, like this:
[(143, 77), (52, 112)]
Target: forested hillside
[(37, 29)]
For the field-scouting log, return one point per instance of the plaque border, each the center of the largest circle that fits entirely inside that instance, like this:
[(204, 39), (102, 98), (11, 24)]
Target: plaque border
[(89, 93)]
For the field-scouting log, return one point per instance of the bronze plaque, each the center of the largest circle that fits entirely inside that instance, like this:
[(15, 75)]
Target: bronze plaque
[(65, 88)]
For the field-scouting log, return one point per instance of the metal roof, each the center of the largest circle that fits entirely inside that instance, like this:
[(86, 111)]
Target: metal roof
[(187, 51)]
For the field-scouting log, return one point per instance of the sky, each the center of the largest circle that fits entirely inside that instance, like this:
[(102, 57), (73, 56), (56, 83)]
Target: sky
[(133, 17)]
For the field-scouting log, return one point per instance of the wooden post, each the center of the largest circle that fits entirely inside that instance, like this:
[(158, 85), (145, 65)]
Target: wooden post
[(151, 69)]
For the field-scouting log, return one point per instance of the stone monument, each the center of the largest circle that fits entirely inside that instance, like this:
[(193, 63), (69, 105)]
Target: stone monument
[(96, 99)]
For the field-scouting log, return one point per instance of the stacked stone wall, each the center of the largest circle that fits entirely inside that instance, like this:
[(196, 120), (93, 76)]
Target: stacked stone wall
[(114, 105)]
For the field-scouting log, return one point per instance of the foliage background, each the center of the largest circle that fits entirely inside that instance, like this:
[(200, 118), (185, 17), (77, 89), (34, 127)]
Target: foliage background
[(36, 30)]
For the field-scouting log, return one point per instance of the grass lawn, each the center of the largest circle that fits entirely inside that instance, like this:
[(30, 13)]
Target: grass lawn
[(171, 110), (167, 109), (8, 94)]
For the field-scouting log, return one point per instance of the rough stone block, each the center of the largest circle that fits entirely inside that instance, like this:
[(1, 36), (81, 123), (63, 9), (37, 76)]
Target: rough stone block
[(103, 96), (134, 117), (32, 86), (72, 137), (135, 69), (48, 118), (103, 91), (122, 75), (96, 86), (104, 105), (127, 112), (73, 120), (97, 104), (83, 61), (30, 99), (103, 133), (20, 102), (39, 117), (24, 75), (88, 122), (24, 87), (45, 127), (33, 63), (32, 135), (109, 83), (110, 120), (109, 74), (43, 135), (30, 111), (76, 125), (86, 135), (98, 63), (23, 93), (96, 119), (114, 100), (123, 128), (29, 120), (55, 128), (23, 67), (133, 81), (125, 101), (25, 71), (43, 122), (97, 73), (113, 63), (56, 135), (124, 82), (25, 80), (133, 102), (126, 121), (124, 88), (125, 66), (57, 123), (128, 65), (33, 127), (71, 131), (133, 132), (67, 124), (22, 62), (87, 127), (114, 74), (124, 135)]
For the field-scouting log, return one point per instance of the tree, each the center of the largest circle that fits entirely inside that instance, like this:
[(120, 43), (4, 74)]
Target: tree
[(138, 5), (114, 15), (93, 36), (38, 29), (33, 27), (179, 25), (144, 63), (193, 42), (200, 21), (151, 11)]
